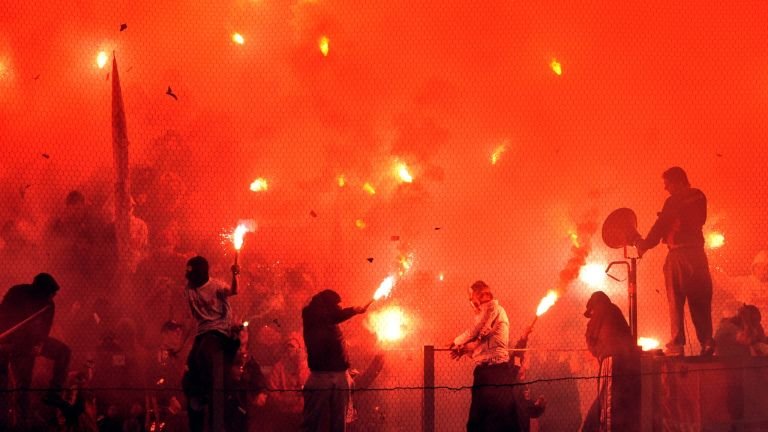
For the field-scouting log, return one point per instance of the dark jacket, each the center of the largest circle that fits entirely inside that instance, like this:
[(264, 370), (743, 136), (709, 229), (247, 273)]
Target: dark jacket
[(322, 335), (19, 303), (680, 221), (608, 333)]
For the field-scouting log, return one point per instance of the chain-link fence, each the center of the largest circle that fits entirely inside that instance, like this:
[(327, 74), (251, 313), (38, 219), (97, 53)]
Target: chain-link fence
[(437, 143)]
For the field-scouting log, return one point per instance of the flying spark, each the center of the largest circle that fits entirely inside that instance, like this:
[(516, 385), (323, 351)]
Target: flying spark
[(238, 38), (384, 288), (715, 240), (403, 174), (556, 67), (324, 45), (259, 185), (369, 188)]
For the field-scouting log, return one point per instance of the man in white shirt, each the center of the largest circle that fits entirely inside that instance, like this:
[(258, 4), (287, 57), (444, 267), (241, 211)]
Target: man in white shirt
[(486, 343), (214, 348)]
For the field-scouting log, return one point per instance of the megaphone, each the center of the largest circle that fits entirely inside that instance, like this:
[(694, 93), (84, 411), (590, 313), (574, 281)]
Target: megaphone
[(620, 229)]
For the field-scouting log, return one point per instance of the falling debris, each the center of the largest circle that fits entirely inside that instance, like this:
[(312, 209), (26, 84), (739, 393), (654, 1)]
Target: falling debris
[(123, 26), (556, 67), (312, 213), (438, 228), (324, 45), (170, 93), (37, 77), (369, 259), (395, 238), (46, 155)]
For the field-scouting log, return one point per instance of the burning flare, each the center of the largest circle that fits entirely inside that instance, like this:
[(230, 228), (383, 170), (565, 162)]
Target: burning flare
[(403, 174), (239, 233), (101, 59), (259, 185), (238, 38), (547, 302), (647, 344), (715, 240), (389, 324), (593, 275), (384, 288)]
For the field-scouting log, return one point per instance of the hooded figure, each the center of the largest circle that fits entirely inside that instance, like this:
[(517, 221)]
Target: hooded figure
[(608, 333), (610, 341)]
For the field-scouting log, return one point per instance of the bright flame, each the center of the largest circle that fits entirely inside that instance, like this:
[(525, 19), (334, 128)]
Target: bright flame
[(384, 288), (238, 38), (406, 262), (360, 224), (324, 45), (101, 59), (259, 185), (547, 302), (368, 188), (592, 275), (403, 174), (556, 67), (389, 324), (647, 344), (715, 240), (496, 155), (237, 236), (341, 180)]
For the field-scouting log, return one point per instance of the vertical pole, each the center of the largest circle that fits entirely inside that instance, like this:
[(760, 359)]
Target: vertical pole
[(428, 414), (632, 287)]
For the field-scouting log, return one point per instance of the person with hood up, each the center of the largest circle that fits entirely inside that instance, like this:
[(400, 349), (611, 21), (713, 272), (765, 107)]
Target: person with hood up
[(610, 340), (327, 390)]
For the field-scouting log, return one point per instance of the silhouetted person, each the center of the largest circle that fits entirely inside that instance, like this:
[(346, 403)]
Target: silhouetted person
[(609, 339), (686, 269), (327, 390), (214, 348), (493, 399), (26, 317)]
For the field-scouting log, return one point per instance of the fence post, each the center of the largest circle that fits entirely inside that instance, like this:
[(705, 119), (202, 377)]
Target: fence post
[(428, 415)]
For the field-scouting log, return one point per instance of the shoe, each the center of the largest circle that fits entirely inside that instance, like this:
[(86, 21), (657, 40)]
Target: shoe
[(708, 349), (674, 351)]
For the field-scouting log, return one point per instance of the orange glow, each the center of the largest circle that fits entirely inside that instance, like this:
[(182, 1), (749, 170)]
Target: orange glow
[(403, 174), (547, 302), (101, 59), (556, 67), (259, 185), (238, 38), (360, 224), (592, 275), (369, 188), (341, 181), (385, 288), (324, 45), (389, 324), (496, 155), (648, 344), (715, 240)]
